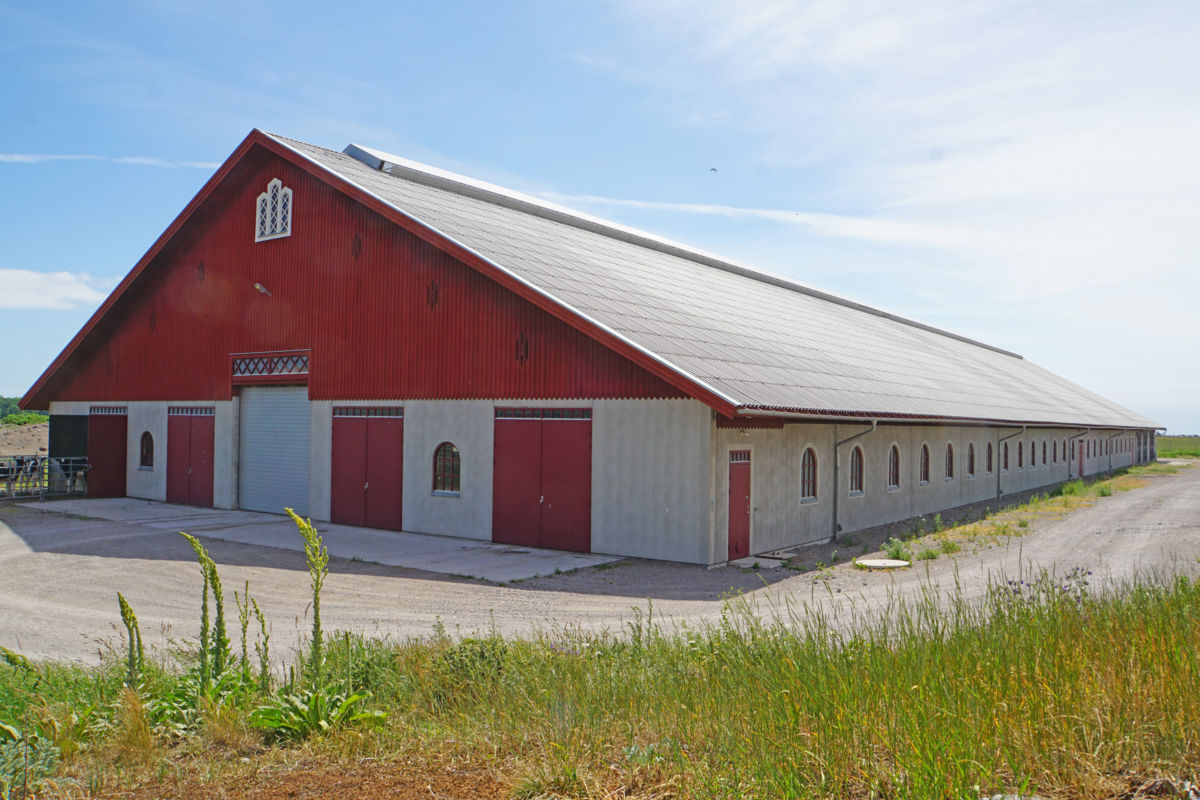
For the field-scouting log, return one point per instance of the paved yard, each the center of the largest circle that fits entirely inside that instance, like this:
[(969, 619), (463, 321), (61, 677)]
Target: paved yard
[(61, 567)]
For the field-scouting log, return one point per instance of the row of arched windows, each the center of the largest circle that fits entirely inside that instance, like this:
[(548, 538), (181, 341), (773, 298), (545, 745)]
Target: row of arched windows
[(1049, 455)]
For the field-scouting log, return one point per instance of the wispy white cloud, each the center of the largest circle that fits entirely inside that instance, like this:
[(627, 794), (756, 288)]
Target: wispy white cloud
[(145, 161), (27, 289), (1047, 150)]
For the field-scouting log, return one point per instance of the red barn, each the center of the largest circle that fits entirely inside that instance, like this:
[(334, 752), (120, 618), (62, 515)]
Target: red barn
[(376, 342)]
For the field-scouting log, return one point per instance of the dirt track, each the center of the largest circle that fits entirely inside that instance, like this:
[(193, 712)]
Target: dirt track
[(61, 576)]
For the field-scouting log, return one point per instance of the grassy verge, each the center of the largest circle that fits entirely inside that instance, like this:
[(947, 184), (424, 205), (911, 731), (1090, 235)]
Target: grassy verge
[(1044, 687), (928, 539), (1178, 446)]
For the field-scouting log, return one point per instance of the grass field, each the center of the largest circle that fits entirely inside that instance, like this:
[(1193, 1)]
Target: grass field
[(1178, 446), (1049, 685)]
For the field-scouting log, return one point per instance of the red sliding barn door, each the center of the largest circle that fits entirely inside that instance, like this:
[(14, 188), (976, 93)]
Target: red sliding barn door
[(190, 433), (367, 467), (108, 434), (739, 504), (542, 478), (517, 481)]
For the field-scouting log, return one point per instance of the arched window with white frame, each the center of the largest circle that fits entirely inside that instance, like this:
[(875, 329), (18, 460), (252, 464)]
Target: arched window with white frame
[(273, 219), (924, 463), (856, 470), (894, 468), (808, 475)]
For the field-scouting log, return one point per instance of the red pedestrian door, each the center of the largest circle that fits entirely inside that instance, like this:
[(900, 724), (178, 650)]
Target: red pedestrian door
[(366, 483), (108, 436), (542, 478), (190, 455), (739, 504)]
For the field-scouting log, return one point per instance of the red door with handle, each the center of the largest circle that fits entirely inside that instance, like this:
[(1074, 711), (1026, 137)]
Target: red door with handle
[(739, 504), (190, 433), (108, 430), (367, 464), (542, 478)]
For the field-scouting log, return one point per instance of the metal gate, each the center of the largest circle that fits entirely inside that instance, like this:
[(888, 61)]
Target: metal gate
[(273, 449)]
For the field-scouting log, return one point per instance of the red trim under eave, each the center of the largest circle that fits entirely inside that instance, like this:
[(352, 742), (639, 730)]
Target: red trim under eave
[(523, 290), (414, 226)]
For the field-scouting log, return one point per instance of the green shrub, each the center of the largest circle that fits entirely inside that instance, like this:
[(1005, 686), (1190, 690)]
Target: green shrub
[(894, 548), (24, 418), (1104, 490)]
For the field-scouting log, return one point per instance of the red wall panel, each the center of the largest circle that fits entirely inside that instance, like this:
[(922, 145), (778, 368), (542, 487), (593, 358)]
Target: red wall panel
[(385, 314)]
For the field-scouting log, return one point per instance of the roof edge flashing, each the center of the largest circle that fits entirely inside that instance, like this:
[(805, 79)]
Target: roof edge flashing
[(491, 193)]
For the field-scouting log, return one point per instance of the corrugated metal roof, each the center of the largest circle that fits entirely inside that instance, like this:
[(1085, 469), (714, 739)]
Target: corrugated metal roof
[(760, 340)]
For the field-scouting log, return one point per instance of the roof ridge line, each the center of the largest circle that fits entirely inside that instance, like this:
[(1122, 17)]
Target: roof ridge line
[(428, 175)]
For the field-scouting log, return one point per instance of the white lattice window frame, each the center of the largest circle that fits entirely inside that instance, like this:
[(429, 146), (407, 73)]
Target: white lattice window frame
[(274, 209)]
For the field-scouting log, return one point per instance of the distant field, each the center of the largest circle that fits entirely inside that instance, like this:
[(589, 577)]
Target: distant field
[(1176, 446)]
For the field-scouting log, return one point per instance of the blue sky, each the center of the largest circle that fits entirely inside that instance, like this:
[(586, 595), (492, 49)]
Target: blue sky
[(1024, 173)]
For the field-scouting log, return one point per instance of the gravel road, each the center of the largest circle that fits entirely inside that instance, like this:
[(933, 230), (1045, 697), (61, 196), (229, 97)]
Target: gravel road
[(59, 576)]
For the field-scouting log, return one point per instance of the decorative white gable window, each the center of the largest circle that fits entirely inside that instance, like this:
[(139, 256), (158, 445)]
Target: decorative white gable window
[(274, 212)]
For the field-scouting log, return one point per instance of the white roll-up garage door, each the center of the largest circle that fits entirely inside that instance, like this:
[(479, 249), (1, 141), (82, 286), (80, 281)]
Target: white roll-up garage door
[(273, 451)]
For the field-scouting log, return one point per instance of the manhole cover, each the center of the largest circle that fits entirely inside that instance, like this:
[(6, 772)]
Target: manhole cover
[(882, 563)]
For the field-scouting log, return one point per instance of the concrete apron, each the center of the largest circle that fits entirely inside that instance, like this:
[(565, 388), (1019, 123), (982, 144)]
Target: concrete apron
[(447, 555)]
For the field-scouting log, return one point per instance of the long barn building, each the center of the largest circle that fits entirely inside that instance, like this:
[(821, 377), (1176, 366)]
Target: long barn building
[(375, 342)]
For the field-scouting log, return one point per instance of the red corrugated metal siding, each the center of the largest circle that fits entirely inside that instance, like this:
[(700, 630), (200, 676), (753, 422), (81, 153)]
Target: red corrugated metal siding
[(385, 314)]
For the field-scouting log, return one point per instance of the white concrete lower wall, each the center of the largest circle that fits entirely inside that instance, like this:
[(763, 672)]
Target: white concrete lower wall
[(147, 483), (469, 425), (650, 479), (781, 518), (650, 471)]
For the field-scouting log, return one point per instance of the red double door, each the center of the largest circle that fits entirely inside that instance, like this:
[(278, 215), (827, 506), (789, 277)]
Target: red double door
[(190, 456), (368, 467), (542, 478)]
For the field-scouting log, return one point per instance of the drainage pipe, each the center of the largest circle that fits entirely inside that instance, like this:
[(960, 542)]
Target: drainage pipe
[(837, 468), (1071, 449), (1121, 432), (1000, 457)]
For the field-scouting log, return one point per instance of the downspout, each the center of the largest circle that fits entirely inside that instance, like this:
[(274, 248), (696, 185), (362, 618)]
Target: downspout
[(837, 469), (1110, 440), (1071, 450), (1000, 458)]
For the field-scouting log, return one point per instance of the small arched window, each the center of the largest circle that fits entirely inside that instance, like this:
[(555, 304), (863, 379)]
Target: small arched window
[(894, 468), (1032, 454), (924, 463), (1004, 458), (856, 470), (146, 458), (949, 461), (1043, 452), (970, 459), (447, 469), (989, 458), (1054, 452), (1020, 455), (808, 475)]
